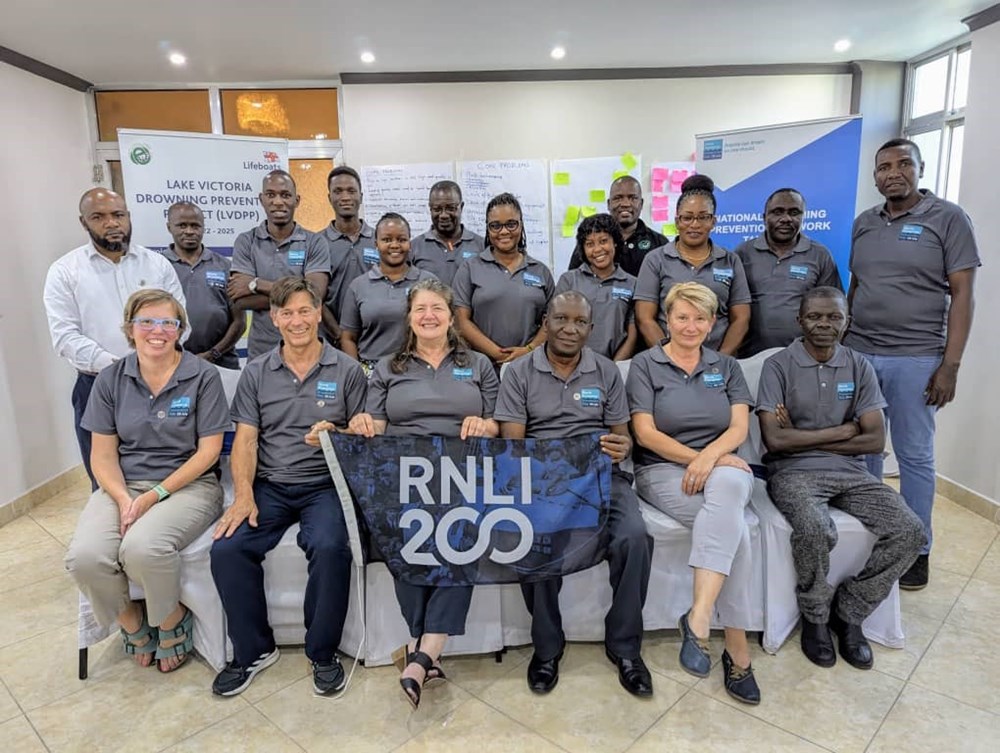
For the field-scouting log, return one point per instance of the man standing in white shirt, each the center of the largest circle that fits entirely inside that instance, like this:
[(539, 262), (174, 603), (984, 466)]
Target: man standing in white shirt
[(85, 294)]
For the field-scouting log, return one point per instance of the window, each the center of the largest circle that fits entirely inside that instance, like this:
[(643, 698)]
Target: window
[(937, 92), (177, 110), (285, 113)]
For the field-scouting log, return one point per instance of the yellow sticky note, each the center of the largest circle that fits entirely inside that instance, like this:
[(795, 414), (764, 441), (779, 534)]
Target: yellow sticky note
[(572, 215), (569, 231), (669, 230), (588, 211), (619, 174), (560, 179), (629, 160), (597, 196)]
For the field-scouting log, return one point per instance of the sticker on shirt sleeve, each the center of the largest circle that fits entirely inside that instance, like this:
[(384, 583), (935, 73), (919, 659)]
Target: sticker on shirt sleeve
[(621, 294), (723, 275), (798, 272), (713, 381), (911, 232), (215, 278), (590, 397), (845, 390), (326, 390), (180, 407), (461, 375), (532, 281), (296, 257), (369, 255)]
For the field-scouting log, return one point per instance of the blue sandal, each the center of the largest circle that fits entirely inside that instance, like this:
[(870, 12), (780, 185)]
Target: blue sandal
[(133, 643), (183, 629)]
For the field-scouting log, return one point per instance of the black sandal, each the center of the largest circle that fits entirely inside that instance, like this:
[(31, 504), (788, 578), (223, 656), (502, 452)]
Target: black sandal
[(412, 688), (401, 657)]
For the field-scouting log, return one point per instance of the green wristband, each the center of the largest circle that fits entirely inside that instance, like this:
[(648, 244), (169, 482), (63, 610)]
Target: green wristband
[(161, 492)]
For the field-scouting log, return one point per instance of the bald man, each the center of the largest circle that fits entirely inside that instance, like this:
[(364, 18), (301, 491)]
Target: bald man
[(85, 294)]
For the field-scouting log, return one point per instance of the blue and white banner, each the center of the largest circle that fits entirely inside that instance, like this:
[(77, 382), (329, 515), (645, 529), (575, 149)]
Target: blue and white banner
[(818, 158), (448, 512), (220, 174)]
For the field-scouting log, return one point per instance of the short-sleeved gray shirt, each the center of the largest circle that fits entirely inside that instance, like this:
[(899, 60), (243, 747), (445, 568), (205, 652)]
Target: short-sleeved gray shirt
[(207, 304), (157, 434), (591, 400), (901, 268), (427, 401), (429, 252), (270, 398), (375, 307), (693, 409), (818, 396), (776, 288), (611, 301), (507, 306), (722, 272), (347, 261), (257, 254)]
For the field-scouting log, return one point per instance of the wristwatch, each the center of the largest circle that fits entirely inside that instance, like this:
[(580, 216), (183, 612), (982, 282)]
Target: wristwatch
[(253, 285), (215, 354)]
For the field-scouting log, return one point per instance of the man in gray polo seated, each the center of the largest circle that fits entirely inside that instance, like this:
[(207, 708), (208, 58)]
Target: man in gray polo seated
[(820, 411)]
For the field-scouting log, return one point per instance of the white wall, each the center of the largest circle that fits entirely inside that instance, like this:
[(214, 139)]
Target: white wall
[(46, 166), (881, 104), (968, 446)]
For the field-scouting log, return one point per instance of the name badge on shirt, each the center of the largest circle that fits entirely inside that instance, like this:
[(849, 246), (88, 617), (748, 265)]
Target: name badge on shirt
[(723, 275), (845, 390), (369, 255), (469, 254), (326, 390), (911, 232), (215, 279), (180, 407), (798, 272), (621, 294), (590, 397), (713, 381), (532, 281), (296, 257), (461, 375)]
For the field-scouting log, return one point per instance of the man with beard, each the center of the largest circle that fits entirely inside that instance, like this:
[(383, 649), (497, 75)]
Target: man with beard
[(86, 291), (625, 204), (448, 243), (278, 247), (215, 325), (782, 264)]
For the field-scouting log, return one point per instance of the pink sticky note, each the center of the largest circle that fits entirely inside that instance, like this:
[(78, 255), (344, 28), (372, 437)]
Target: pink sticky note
[(661, 202), (659, 174), (660, 215), (657, 186), (676, 178)]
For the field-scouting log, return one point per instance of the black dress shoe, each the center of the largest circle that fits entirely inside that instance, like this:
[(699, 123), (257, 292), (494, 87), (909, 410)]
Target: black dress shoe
[(739, 682), (694, 656), (854, 647), (543, 675), (917, 576), (632, 674), (817, 643)]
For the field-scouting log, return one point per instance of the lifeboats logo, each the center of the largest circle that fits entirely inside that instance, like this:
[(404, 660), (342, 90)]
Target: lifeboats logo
[(271, 157)]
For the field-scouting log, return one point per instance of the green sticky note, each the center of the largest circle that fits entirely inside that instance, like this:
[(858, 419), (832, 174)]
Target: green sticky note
[(569, 231), (670, 229), (619, 174), (629, 160), (588, 211), (597, 196), (572, 215), (560, 179)]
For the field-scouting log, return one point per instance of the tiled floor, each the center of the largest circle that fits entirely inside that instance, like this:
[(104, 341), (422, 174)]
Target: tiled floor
[(940, 693)]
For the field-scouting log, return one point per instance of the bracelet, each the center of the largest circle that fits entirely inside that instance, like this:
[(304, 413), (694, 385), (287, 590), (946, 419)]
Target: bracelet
[(161, 492), (530, 347)]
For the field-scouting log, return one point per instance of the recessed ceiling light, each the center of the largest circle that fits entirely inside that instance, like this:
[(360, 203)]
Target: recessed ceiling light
[(558, 53), (842, 45), (176, 58), (367, 57)]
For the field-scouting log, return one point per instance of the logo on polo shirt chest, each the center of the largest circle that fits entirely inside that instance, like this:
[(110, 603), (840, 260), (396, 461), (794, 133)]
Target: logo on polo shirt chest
[(296, 257), (911, 232), (723, 275), (589, 397), (469, 254), (215, 278), (325, 391), (845, 390), (369, 255), (798, 272), (713, 381), (621, 294), (461, 375), (532, 281), (645, 244), (180, 407)]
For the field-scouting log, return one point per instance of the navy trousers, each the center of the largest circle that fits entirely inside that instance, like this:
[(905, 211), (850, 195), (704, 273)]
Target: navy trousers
[(237, 566)]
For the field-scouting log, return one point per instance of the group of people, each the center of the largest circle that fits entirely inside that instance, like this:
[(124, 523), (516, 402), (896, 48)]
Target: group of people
[(364, 330)]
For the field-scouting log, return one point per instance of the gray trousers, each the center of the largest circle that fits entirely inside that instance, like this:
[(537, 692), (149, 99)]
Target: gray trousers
[(720, 540), (102, 562), (803, 498)]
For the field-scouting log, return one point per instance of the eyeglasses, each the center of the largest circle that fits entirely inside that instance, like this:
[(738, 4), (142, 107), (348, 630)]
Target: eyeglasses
[(691, 219), (496, 227), (148, 324)]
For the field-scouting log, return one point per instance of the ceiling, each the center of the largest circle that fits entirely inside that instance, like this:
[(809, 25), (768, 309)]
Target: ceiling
[(127, 42)]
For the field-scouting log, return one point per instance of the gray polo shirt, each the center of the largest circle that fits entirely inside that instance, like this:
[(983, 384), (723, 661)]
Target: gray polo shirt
[(257, 254), (611, 301), (427, 401), (157, 434), (901, 266), (507, 306), (429, 252), (818, 396), (375, 307), (591, 400), (722, 272), (209, 316), (776, 288), (270, 398), (693, 409), (348, 259)]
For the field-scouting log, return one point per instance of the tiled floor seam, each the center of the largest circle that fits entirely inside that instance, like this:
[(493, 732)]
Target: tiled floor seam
[(687, 690), (227, 718)]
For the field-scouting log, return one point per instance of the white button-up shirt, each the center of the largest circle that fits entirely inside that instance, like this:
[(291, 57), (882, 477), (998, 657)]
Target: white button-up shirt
[(85, 295)]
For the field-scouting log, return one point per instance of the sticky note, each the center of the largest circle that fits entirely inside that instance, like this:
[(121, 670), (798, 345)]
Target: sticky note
[(619, 174), (660, 215), (560, 179), (568, 231), (677, 177), (588, 211), (656, 185), (669, 230), (572, 215), (661, 202), (659, 173), (628, 159), (597, 196)]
